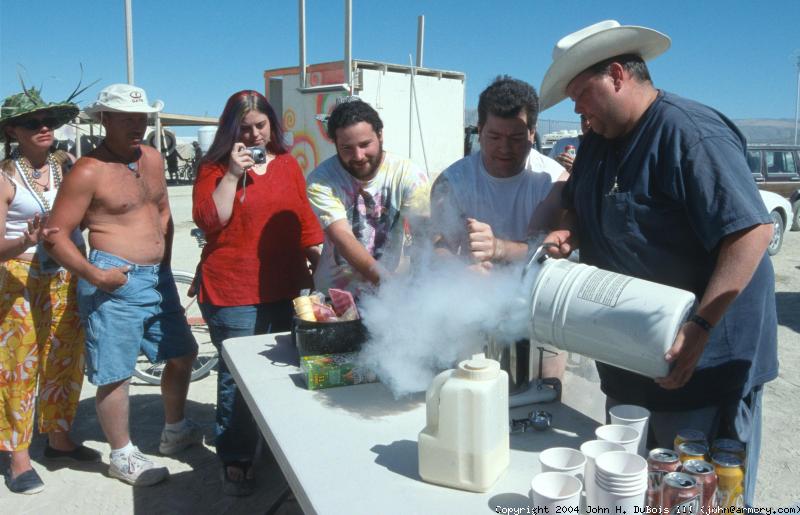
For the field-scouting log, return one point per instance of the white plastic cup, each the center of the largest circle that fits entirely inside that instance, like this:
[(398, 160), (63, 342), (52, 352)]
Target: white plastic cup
[(592, 449), (633, 416), (563, 459), (622, 502), (626, 436), (556, 489)]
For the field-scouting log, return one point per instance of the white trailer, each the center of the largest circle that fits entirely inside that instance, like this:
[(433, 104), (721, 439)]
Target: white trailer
[(422, 109), (429, 130)]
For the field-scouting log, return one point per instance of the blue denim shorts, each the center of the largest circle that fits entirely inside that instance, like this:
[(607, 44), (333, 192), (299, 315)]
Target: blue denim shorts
[(143, 315)]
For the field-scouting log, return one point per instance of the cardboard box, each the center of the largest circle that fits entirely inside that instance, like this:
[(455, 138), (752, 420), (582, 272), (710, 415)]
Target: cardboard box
[(329, 370)]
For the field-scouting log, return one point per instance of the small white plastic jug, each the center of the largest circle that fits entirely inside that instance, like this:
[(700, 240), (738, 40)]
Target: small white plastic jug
[(465, 441), (617, 319)]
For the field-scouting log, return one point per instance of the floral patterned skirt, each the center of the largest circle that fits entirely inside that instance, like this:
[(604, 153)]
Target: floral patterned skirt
[(41, 345)]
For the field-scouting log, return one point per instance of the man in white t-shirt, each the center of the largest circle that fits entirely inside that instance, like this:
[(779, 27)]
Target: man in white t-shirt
[(486, 205), (363, 197)]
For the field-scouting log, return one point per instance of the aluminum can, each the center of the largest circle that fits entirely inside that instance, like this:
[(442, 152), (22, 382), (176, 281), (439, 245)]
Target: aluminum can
[(660, 462), (681, 494), (728, 446), (692, 451), (706, 476), (730, 480), (689, 435), (570, 149)]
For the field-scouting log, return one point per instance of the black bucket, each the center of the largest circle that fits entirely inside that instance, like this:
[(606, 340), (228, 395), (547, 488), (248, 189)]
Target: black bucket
[(314, 338)]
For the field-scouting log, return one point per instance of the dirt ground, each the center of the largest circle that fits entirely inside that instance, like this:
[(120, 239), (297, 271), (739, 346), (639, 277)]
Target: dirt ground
[(194, 486), (779, 472)]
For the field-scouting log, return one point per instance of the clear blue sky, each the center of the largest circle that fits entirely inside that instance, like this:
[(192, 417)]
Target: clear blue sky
[(736, 55)]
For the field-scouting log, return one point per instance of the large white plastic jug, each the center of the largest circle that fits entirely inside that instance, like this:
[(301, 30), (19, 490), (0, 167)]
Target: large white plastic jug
[(617, 319), (465, 441)]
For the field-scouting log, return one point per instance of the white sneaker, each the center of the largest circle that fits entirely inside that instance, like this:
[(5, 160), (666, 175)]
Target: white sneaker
[(136, 469), (176, 441)]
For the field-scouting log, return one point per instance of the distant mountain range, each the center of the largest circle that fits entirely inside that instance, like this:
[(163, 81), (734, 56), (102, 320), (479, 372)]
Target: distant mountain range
[(767, 131), (756, 130)]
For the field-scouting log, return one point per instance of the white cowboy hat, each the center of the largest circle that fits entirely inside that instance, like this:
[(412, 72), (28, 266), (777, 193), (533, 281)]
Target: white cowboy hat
[(578, 51), (122, 98)]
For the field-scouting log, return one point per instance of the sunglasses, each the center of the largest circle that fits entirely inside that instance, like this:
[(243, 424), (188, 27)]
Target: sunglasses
[(34, 124)]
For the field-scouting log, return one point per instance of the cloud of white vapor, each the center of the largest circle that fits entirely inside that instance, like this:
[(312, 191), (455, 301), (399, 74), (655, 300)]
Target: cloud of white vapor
[(425, 322)]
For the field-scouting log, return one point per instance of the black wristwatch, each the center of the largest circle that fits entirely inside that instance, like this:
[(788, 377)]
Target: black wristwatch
[(702, 322)]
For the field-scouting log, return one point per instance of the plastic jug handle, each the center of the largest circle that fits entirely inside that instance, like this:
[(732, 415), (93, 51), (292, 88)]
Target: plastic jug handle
[(433, 397)]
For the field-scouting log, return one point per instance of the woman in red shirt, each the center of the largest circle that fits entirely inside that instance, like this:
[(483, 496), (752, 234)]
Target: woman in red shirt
[(261, 234)]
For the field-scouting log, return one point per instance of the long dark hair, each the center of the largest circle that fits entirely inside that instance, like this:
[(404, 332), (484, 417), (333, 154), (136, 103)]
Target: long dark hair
[(236, 108)]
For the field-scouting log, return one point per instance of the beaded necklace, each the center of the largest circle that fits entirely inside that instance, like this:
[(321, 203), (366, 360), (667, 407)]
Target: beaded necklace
[(26, 172)]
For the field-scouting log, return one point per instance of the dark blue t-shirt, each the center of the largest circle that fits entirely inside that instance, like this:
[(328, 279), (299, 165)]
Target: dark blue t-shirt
[(683, 184)]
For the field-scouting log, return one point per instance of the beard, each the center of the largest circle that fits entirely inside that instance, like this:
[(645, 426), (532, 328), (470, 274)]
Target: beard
[(366, 169)]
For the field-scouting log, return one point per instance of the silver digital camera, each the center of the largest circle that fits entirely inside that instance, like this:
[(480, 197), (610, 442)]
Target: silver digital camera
[(259, 154)]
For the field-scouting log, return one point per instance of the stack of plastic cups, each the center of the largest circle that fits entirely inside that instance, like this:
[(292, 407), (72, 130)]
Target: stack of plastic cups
[(621, 481), (592, 449)]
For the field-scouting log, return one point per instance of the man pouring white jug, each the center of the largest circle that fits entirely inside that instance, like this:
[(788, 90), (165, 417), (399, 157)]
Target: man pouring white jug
[(662, 191)]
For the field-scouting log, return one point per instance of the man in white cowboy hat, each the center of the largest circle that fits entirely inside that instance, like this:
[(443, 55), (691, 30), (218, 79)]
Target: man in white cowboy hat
[(126, 293), (661, 190)]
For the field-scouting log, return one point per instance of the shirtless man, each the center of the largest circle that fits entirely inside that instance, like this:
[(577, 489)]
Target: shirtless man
[(126, 293)]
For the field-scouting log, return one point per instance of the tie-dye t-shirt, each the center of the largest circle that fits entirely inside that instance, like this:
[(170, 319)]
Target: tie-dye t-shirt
[(376, 211)]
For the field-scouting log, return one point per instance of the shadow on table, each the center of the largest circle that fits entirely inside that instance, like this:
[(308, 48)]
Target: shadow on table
[(569, 428), (510, 503), (369, 401), (788, 304), (400, 457), (283, 353)]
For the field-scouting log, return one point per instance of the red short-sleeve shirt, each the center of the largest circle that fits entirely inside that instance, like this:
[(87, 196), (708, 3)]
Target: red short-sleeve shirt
[(259, 255)]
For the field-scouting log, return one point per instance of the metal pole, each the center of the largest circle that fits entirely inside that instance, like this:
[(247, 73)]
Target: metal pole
[(302, 43), (348, 43), (129, 39), (420, 38), (159, 133), (797, 102)]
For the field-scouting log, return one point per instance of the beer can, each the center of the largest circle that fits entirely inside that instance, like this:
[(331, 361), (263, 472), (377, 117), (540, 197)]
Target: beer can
[(660, 462), (728, 446), (706, 476), (689, 435), (730, 480), (570, 149), (680, 494), (692, 451)]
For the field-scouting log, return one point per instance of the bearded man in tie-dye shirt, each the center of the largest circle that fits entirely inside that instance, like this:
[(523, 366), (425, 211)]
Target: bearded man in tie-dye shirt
[(363, 197)]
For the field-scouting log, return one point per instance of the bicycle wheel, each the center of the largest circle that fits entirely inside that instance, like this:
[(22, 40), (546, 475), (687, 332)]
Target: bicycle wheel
[(207, 356)]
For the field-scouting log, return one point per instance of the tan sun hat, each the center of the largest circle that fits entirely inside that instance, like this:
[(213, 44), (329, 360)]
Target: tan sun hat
[(578, 51), (122, 98)]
